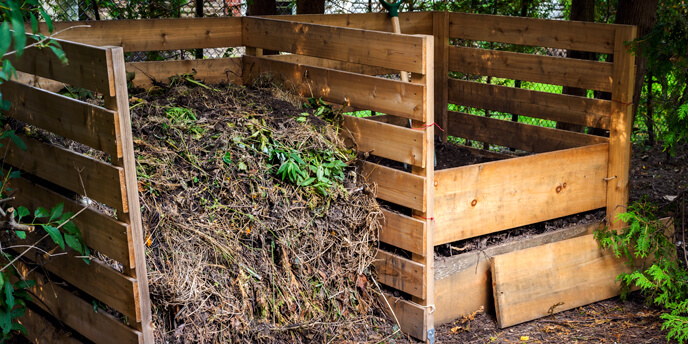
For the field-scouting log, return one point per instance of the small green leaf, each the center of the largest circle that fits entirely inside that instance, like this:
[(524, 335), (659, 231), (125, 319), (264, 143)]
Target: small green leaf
[(70, 228), (34, 23), (73, 242), (9, 293), (17, 140), (22, 211), (5, 38), (21, 234), (56, 212), (227, 158), (19, 34), (59, 53), (15, 174), (19, 327), (48, 20), (55, 235), (40, 213)]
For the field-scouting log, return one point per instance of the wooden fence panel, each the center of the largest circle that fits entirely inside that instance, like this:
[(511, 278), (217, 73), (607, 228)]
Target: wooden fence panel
[(211, 71), (332, 64), (386, 140), (401, 273), (396, 186), (411, 23), (404, 232)]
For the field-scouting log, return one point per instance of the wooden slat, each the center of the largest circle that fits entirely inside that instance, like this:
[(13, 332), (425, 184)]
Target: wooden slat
[(557, 276), (463, 283), (401, 273), (404, 232), (88, 66), (411, 23), (73, 311), (91, 125), (411, 316), (37, 81), (40, 330), (401, 52), (155, 34), (440, 31), (557, 107), (102, 181), (517, 135), (100, 232), (593, 75), (396, 186), (360, 91), (332, 64), (621, 127), (561, 34), (386, 140), (96, 279), (210, 71), (489, 197)]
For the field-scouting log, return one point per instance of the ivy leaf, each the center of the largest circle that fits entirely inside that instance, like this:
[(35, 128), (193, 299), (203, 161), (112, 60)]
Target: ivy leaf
[(21, 212), (55, 235)]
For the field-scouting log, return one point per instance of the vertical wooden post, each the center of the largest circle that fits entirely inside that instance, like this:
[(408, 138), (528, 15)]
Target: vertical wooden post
[(440, 30), (119, 101), (623, 75), (429, 173)]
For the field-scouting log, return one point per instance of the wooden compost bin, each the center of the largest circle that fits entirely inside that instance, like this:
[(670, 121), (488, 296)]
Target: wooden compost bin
[(340, 57)]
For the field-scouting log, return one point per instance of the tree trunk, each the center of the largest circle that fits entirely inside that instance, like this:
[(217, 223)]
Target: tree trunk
[(310, 6), (581, 10), (262, 8)]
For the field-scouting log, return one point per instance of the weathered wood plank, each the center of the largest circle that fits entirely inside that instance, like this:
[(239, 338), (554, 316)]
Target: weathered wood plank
[(40, 330), (593, 75), (394, 51), (557, 276), (489, 197), (404, 232), (440, 32), (102, 181), (411, 316), (463, 283), (411, 23), (89, 66), (530, 138), (381, 95), (210, 71), (401, 273), (332, 64), (557, 107), (100, 232), (386, 140), (155, 34), (91, 125), (396, 186), (559, 34)]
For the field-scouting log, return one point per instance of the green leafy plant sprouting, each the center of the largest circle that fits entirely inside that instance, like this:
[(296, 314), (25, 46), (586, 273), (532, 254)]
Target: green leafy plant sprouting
[(317, 169), (324, 111), (186, 119), (665, 282)]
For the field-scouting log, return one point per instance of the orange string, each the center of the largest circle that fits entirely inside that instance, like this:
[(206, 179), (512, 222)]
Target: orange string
[(427, 126)]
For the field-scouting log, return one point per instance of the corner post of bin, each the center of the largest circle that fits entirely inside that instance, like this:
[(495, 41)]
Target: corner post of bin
[(118, 100), (623, 78), (440, 31), (428, 173)]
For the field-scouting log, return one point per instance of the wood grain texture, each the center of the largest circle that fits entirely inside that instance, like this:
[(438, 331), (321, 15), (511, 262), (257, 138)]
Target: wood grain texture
[(411, 316), (100, 232), (332, 64), (559, 34), (401, 273), (621, 125), (386, 140), (411, 23), (360, 91), (593, 75), (41, 330), (493, 196), (89, 66), (463, 283), (394, 51), (155, 34), (530, 138), (563, 275), (85, 123), (556, 107), (396, 186), (102, 181), (404, 232), (440, 30), (209, 71)]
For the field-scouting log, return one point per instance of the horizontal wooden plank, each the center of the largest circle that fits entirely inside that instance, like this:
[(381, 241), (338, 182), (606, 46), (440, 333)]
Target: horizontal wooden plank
[(381, 49), (561, 34), (75, 312), (41, 330), (155, 34), (37, 81), (593, 75), (96, 279), (360, 91), (102, 182), (557, 107), (411, 316), (396, 186), (401, 273), (411, 23), (100, 232), (557, 276), (386, 140), (463, 283), (490, 197), (210, 71), (404, 232), (332, 64), (85, 123), (88, 66), (517, 135)]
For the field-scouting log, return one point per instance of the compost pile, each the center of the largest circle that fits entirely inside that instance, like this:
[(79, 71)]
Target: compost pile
[(258, 227)]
